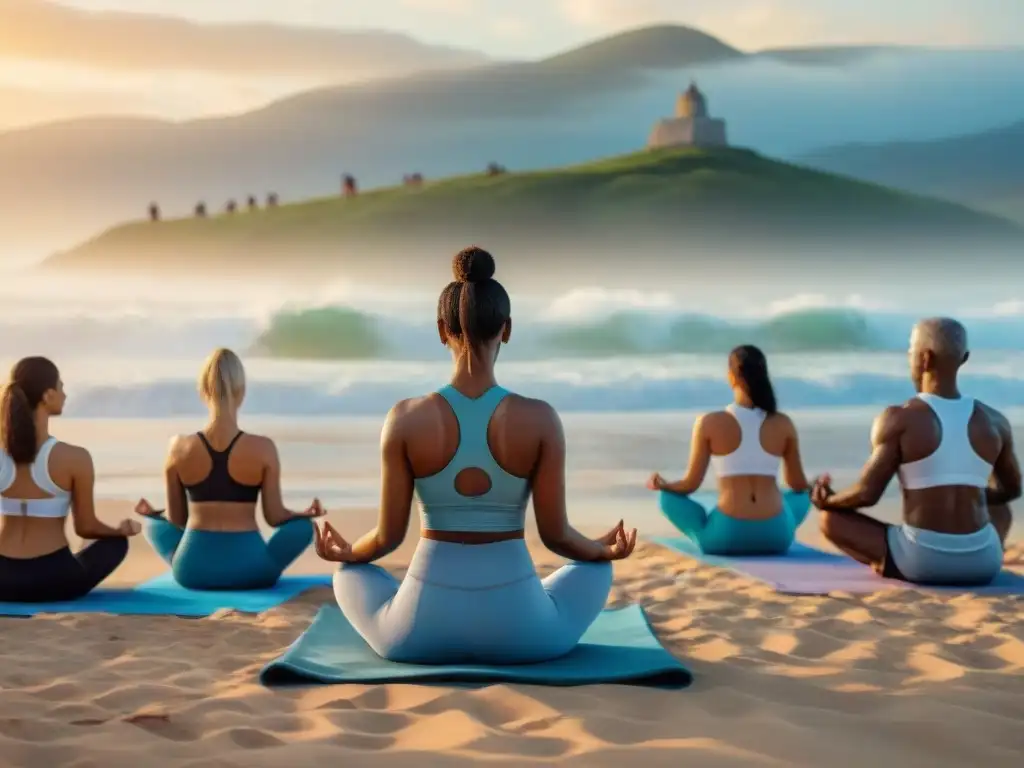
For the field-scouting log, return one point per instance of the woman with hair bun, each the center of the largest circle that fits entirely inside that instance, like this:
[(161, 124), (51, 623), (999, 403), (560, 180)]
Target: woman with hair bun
[(214, 478), (746, 443), (472, 453), (41, 480)]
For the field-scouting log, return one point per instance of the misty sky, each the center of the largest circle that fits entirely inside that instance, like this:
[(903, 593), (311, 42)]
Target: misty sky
[(535, 27)]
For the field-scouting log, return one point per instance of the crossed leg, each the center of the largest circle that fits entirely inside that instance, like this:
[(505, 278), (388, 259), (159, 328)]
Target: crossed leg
[(863, 538), (411, 625)]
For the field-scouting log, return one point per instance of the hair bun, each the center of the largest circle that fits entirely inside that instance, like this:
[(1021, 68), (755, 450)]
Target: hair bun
[(473, 265)]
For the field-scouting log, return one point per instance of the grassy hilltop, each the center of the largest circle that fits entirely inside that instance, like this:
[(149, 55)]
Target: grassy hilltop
[(720, 195)]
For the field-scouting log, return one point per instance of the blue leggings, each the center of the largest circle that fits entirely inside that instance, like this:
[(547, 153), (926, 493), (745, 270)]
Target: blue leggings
[(481, 603), (719, 534), (227, 560)]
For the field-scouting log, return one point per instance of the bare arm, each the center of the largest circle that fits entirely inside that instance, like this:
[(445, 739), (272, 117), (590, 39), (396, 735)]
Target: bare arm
[(549, 498), (83, 506), (177, 501), (395, 495), (274, 510), (880, 469), (1005, 471), (700, 458), (792, 465)]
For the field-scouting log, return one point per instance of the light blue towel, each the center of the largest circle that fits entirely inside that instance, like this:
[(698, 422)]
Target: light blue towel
[(808, 571), (163, 596), (618, 648)]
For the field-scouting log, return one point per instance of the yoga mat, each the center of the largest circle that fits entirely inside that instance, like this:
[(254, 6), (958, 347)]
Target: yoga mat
[(618, 648), (163, 596), (808, 571)]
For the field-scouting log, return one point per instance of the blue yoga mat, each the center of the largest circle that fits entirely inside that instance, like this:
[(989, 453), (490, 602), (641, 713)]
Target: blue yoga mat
[(808, 571), (163, 596), (618, 648)]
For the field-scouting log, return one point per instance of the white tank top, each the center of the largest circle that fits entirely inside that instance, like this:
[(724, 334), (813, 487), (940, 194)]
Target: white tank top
[(750, 458), (56, 506), (954, 462)]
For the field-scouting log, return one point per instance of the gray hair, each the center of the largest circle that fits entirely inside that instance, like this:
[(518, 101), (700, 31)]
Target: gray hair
[(943, 336)]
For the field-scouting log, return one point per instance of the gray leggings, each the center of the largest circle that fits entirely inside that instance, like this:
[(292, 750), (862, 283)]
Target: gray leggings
[(481, 604), (927, 557)]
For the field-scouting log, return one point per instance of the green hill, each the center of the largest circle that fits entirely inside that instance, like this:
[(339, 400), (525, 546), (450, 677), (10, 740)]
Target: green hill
[(692, 196), (658, 47)]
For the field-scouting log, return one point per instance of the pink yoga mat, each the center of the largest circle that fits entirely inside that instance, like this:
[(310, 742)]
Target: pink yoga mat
[(808, 571)]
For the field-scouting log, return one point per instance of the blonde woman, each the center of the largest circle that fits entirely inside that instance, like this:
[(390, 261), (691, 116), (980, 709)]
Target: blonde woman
[(209, 536)]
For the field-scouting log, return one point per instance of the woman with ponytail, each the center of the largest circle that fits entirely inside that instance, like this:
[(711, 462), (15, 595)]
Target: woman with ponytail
[(41, 479), (473, 453), (209, 533), (746, 443)]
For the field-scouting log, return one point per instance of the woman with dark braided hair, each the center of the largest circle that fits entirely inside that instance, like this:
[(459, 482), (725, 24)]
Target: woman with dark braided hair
[(746, 443), (473, 453)]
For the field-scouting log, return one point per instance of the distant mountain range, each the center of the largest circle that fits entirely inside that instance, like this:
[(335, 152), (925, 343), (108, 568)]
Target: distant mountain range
[(64, 181), (41, 30), (984, 170)]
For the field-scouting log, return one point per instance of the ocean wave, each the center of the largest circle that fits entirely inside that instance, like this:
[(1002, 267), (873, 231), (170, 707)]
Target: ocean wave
[(595, 324), (634, 333), (344, 333), (325, 333)]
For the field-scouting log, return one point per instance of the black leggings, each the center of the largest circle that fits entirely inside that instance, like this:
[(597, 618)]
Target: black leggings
[(60, 575)]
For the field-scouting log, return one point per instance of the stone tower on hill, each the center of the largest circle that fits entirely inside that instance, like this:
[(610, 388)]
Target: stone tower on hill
[(691, 126)]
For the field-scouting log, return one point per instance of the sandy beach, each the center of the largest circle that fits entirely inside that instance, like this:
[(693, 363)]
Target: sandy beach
[(291, 181), (900, 677)]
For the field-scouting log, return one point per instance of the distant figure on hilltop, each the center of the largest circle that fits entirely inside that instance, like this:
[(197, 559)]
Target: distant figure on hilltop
[(413, 179), (253, 203), (200, 210), (272, 200), (496, 169), (154, 212), (349, 187), (231, 207)]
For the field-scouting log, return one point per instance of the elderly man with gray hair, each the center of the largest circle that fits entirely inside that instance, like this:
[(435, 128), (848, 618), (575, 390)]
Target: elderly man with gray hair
[(955, 461)]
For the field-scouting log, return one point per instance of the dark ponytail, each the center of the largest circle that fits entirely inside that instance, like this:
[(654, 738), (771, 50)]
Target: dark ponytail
[(475, 307), (31, 379), (750, 368)]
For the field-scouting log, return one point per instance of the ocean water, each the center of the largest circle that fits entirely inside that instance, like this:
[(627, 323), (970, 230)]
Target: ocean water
[(133, 350)]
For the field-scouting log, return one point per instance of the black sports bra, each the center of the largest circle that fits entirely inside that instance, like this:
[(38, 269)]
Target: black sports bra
[(219, 485)]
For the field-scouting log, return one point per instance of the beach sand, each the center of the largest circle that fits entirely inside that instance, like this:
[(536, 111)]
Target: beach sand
[(895, 678)]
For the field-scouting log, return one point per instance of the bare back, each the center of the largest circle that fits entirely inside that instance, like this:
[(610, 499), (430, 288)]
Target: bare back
[(189, 463), (534, 449), (751, 496), (422, 437), (70, 469), (916, 432)]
